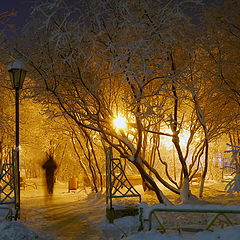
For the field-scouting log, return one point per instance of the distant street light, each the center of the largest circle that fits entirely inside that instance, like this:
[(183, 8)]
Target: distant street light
[(17, 72), (120, 122)]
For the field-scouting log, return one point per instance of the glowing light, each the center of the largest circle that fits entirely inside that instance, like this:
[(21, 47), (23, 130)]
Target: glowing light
[(184, 136), (120, 122), (167, 141)]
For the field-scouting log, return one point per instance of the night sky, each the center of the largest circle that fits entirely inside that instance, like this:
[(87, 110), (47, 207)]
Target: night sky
[(21, 7)]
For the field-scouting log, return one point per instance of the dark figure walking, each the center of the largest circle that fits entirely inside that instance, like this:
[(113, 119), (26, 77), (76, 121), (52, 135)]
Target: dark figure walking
[(50, 166)]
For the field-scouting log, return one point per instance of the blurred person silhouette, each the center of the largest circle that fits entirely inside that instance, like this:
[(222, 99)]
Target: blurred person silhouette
[(50, 167)]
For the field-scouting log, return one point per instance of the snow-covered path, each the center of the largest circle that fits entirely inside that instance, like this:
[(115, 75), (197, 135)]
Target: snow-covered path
[(81, 215), (65, 216)]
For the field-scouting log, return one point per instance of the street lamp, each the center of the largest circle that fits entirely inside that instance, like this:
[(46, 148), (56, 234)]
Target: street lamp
[(120, 122), (17, 72)]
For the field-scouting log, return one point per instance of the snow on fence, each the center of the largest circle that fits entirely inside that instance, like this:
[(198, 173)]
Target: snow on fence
[(213, 214)]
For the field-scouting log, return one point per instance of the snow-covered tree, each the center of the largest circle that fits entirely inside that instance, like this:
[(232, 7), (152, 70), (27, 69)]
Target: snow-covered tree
[(92, 61), (6, 98), (220, 43), (234, 184)]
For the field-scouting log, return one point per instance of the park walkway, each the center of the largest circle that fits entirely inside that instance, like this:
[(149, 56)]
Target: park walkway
[(65, 216)]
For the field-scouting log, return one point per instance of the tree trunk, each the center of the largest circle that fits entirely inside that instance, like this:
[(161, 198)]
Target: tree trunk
[(152, 184), (204, 170)]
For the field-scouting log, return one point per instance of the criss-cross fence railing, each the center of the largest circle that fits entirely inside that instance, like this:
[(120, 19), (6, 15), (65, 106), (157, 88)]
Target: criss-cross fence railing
[(7, 190), (117, 183), (8, 184)]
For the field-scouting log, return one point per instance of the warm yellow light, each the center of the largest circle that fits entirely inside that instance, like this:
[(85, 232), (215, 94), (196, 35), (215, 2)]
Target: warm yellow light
[(184, 136), (167, 141), (120, 122)]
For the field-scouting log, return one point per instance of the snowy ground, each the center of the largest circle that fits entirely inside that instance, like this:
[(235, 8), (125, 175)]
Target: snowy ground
[(80, 215)]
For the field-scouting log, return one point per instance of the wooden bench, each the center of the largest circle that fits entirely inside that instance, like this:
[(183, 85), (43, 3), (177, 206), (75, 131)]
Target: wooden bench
[(216, 211), (25, 183), (196, 178)]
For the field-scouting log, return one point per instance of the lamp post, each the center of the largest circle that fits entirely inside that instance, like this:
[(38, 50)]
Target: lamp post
[(17, 72)]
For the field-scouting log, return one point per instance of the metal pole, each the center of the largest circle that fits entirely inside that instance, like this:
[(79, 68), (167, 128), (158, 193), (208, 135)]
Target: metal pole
[(17, 152), (108, 175)]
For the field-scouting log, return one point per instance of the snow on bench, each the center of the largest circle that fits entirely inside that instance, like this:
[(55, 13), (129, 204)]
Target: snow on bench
[(27, 183), (196, 178), (146, 214)]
